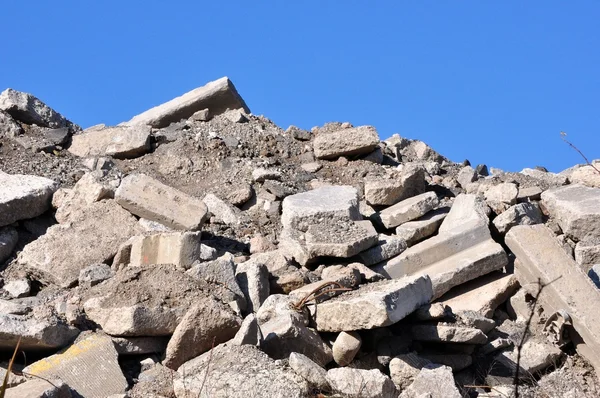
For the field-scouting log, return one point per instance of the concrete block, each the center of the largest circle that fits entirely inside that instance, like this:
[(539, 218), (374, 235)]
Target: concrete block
[(24, 196), (408, 209), (178, 248), (121, 142), (345, 142), (423, 227)]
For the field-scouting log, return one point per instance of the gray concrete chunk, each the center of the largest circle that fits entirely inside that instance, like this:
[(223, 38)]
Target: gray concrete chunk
[(467, 208), (340, 239), (408, 209), (373, 305), (38, 388), (146, 197), (179, 248), (522, 214), (387, 247), (90, 367), (434, 381), (345, 142), (217, 96), (309, 370), (361, 383), (28, 109), (423, 227), (24, 196), (448, 334), (120, 142)]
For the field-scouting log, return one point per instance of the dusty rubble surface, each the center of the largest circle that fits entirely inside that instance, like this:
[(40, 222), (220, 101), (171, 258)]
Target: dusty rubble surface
[(200, 250)]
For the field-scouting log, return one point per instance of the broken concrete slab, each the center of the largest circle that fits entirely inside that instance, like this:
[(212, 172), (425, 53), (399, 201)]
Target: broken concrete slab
[(17, 288), (89, 189), (482, 295), (345, 142), (140, 345), (28, 109), (391, 190), (217, 96), (249, 332), (566, 287), (90, 238), (253, 280), (448, 334), (405, 368), (121, 142), (142, 301), (221, 212), (90, 367), (587, 252), (522, 214), (8, 126), (408, 209), (387, 247), (423, 227), (505, 193), (313, 373), (38, 332), (24, 196), (35, 388), (576, 208), (361, 382), (587, 175), (146, 197), (547, 178), (535, 357), (433, 381), (529, 193), (373, 305), (237, 372), (312, 207), (340, 238), (178, 248), (466, 209), (207, 323), (466, 175)]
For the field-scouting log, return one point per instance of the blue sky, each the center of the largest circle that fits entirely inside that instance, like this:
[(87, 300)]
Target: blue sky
[(491, 81)]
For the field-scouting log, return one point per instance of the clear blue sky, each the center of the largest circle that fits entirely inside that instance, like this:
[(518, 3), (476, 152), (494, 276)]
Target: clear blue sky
[(491, 81)]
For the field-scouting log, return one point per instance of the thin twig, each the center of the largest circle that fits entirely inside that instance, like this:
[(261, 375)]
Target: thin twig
[(563, 135), (207, 366), (9, 369)]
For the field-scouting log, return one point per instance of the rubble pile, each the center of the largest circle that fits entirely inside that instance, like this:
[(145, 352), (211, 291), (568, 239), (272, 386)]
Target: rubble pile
[(201, 250)]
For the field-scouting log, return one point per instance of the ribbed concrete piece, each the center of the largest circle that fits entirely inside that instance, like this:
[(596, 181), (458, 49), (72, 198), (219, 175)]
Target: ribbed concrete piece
[(148, 198), (90, 367), (217, 96), (566, 287), (373, 305)]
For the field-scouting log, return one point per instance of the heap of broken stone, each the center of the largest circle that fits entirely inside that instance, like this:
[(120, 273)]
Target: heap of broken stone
[(323, 262)]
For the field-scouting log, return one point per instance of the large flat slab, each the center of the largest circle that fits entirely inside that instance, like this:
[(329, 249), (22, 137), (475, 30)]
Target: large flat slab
[(566, 287), (408, 209), (217, 96), (122, 142), (24, 196), (345, 142)]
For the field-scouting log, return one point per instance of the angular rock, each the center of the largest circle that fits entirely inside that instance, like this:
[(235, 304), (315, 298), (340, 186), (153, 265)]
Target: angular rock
[(142, 301), (261, 174), (8, 241), (8, 126), (140, 345), (576, 208), (28, 109), (40, 388), (17, 288), (151, 199), (38, 333), (314, 374), (506, 193), (448, 334), (90, 238), (237, 372), (423, 227), (178, 248), (340, 239), (466, 209), (121, 142), (548, 179), (535, 357), (408, 209), (24, 196), (587, 175), (89, 189), (217, 96), (361, 383), (366, 273), (373, 305), (482, 295), (345, 142), (565, 286), (433, 381), (387, 247), (529, 193), (405, 368), (587, 252), (220, 273), (207, 323), (249, 333), (383, 192), (90, 367), (253, 280), (345, 347), (466, 176), (220, 210), (522, 214)]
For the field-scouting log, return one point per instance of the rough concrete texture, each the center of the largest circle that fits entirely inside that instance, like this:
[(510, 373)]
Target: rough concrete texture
[(408, 209), (89, 189), (90, 367), (345, 347), (217, 96), (38, 331), (178, 248), (587, 175), (8, 126), (466, 209), (330, 202), (146, 197), (120, 142), (361, 383), (433, 381), (565, 286), (345, 142), (142, 301), (535, 357), (405, 367), (395, 187), (314, 374), (423, 227), (340, 238), (482, 295), (373, 305), (249, 333), (587, 252), (520, 214), (387, 247), (24, 196), (576, 208), (253, 280), (505, 193), (28, 109), (237, 372), (35, 388), (448, 334), (89, 238), (221, 212), (207, 323)]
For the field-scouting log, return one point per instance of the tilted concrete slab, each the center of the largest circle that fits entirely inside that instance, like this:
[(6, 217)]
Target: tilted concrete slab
[(345, 142), (408, 209), (566, 287), (217, 96), (118, 142)]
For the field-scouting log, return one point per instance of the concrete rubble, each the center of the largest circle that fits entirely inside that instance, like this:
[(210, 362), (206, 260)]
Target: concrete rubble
[(201, 250)]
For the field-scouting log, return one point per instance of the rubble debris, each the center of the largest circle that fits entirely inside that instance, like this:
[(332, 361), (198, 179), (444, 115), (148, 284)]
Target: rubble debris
[(120, 142), (360, 382), (40, 388), (435, 381), (309, 370), (423, 227), (24, 196), (178, 248), (408, 209), (28, 109), (345, 142)]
